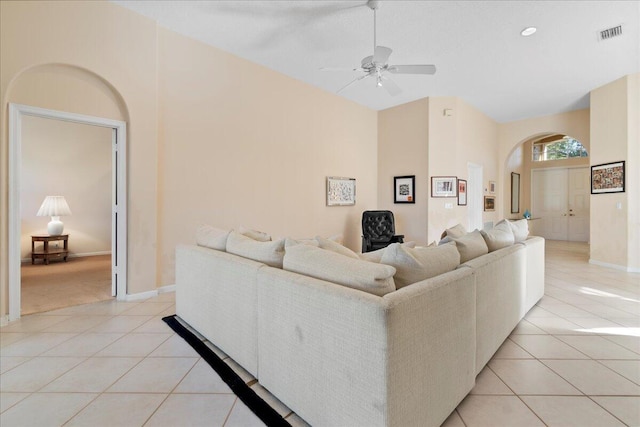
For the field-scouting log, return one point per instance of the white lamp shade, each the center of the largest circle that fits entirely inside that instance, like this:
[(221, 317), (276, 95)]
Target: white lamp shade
[(54, 206)]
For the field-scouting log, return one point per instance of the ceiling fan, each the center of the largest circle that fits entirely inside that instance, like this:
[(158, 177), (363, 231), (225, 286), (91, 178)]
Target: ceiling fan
[(376, 65)]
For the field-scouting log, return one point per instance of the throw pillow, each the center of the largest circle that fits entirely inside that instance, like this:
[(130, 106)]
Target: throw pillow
[(520, 229), (498, 237), (376, 256), (338, 238), (336, 247), (457, 230), (254, 234), (415, 264), (270, 253), (326, 265), (211, 237), (471, 245), (292, 242)]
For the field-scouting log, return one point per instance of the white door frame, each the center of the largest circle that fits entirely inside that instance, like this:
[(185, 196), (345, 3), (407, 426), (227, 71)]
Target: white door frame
[(475, 196), (119, 213)]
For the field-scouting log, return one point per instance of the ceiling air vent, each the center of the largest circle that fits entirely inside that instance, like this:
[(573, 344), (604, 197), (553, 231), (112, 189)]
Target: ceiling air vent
[(610, 33)]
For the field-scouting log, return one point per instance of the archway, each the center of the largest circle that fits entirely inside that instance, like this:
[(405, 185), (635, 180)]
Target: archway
[(553, 173), (103, 98)]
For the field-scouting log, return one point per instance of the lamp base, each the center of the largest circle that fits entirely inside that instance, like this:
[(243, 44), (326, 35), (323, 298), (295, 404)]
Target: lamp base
[(55, 226)]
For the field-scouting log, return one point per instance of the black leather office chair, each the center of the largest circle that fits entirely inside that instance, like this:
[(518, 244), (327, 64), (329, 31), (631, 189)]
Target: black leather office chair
[(378, 230)]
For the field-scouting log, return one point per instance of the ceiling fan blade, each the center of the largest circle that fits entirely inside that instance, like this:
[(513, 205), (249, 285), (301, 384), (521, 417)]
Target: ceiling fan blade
[(352, 82), (412, 69), (381, 55), (390, 86), (338, 69)]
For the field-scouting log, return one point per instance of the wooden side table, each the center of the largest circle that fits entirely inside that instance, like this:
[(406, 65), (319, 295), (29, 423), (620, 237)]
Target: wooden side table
[(45, 252)]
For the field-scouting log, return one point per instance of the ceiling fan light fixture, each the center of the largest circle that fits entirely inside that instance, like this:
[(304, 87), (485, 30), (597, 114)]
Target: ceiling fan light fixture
[(529, 31)]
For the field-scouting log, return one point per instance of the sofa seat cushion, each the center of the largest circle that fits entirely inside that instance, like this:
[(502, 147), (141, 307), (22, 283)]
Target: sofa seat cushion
[(415, 264), (211, 237), (498, 237), (270, 253), (326, 265), (471, 245)]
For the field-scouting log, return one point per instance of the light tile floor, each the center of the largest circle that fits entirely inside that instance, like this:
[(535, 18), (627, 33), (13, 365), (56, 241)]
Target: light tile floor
[(573, 361)]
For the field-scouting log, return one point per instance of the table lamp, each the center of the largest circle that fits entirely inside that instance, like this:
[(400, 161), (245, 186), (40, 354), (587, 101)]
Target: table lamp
[(55, 207)]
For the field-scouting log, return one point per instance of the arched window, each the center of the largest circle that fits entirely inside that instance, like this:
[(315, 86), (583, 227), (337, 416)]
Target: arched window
[(557, 147)]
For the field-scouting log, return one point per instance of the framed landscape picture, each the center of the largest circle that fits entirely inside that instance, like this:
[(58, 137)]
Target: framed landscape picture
[(404, 189), (341, 191), (462, 192), (489, 203), (444, 186), (607, 178)]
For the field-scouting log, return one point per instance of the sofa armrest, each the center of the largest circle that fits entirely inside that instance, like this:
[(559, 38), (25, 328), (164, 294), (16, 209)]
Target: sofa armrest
[(216, 294)]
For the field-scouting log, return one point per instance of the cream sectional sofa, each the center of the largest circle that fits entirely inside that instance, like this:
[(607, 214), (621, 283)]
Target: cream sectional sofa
[(338, 356)]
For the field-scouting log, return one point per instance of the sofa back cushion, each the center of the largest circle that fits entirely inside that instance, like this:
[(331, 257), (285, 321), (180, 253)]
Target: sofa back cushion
[(471, 245), (520, 229), (457, 230), (270, 253), (211, 237), (415, 264), (326, 265), (254, 234), (498, 237), (334, 246)]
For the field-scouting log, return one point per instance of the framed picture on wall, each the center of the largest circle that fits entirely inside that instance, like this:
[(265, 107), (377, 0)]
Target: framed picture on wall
[(444, 186), (404, 189), (341, 191), (489, 203), (607, 178), (462, 192)]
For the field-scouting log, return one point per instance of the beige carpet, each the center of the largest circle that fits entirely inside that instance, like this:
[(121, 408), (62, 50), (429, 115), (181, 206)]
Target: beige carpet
[(63, 284)]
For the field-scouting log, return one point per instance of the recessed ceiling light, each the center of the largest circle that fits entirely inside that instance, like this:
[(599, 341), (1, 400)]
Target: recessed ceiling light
[(528, 31)]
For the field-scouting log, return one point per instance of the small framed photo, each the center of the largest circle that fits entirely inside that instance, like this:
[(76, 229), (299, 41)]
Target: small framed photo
[(462, 192), (444, 186), (341, 191), (492, 187), (607, 178), (404, 189), (489, 203)]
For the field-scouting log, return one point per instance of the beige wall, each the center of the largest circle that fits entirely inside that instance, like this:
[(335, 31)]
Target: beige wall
[(211, 138), (241, 145), (403, 150), (614, 136), (418, 139), (454, 141), (72, 160)]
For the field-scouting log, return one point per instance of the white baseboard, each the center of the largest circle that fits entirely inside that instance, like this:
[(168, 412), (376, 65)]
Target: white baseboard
[(140, 296), (615, 266), (74, 255), (4, 320), (167, 288), (149, 294)]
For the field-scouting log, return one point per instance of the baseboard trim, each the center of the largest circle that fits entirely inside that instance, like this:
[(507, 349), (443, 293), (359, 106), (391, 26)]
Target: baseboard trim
[(140, 296), (4, 320), (149, 294), (614, 266), (74, 255), (167, 288)]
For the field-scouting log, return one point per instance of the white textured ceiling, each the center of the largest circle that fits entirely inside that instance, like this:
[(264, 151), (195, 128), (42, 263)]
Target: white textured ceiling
[(476, 46)]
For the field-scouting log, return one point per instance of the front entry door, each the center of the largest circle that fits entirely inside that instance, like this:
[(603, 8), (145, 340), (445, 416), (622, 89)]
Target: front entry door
[(560, 199)]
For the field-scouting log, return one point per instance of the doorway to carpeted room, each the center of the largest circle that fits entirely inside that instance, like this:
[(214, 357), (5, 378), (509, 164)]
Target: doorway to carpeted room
[(63, 284)]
